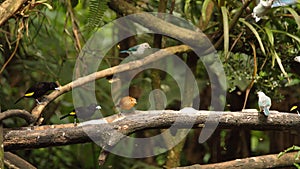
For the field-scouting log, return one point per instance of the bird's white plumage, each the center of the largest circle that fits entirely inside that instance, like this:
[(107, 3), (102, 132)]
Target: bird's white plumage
[(297, 59), (138, 49), (263, 6), (264, 102), (142, 47)]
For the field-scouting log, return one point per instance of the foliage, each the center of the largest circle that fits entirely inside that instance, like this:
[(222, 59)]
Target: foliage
[(293, 148), (47, 52), (96, 13)]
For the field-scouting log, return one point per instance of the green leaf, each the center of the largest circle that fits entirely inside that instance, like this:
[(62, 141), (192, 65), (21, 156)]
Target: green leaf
[(225, 30), (270, 35), (288, 34), (96, 13), (297, 165), (280, 64), (295, 15), (255, 33), (204, 8)]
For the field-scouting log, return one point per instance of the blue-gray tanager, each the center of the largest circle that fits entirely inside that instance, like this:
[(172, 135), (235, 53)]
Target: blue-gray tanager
[(137, 50), (264, 5), (264, 103)]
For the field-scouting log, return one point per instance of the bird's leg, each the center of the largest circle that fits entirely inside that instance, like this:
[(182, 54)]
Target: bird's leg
[(75, 121), (38, 102), (120, 114)]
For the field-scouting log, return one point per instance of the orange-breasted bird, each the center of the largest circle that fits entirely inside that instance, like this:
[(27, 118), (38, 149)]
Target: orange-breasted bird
[(38, 90), (127, 103)]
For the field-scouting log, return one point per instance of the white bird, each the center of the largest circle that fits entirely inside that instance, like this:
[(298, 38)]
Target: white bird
[(264, 103), (263, 6), (137, 50), (297, 59)]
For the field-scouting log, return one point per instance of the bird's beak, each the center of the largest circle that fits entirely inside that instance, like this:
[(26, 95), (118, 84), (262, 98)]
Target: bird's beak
[(98, 107)]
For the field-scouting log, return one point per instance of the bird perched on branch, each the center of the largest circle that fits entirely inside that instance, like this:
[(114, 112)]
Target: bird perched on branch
[(38, 90), (294, 65), (297, 59), (137, 50), (295, 108), (264, 103), (83, 112), (263, 7), (127, 103)]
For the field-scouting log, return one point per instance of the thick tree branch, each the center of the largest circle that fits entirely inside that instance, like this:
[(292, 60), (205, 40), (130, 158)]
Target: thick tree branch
[(8, 8), (111, 129), (36, 112), (265, 161), (158, 25)]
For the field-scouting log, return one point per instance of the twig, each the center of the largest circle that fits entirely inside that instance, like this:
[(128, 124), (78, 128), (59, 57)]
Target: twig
[(13, 53), (253, 75)]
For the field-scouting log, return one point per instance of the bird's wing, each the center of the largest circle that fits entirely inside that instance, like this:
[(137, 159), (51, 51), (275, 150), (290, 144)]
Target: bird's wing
[(278, 3), (36, 89), (265, 101), (134, 48)]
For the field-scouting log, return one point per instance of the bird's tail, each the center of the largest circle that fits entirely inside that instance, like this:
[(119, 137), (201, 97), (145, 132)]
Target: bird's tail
[(266, 111), (124, 51), (19, 99), (62, 117)]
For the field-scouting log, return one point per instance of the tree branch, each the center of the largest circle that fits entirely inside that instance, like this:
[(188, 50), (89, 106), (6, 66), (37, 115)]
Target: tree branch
[(36, 112), (158, 25), (8, 8), (265, 161), (109, 129), (14, 161), (17, 113)]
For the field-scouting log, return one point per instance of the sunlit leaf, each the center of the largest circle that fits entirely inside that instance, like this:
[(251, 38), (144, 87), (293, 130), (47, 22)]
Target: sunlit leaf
[(225, 30), (255, 33)]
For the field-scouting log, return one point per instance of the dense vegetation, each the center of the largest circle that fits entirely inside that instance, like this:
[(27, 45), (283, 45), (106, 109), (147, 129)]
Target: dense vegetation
[(42, 41)]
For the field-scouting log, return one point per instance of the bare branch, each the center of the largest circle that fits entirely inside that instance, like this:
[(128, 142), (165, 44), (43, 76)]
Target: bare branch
[(14, 161), (158, 25), (17, 113), (265, 161), (113, 128), (36, 112)]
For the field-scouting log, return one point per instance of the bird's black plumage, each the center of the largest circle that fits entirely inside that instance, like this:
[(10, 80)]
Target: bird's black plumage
[(38, 90), (82, 112), (295, 108)]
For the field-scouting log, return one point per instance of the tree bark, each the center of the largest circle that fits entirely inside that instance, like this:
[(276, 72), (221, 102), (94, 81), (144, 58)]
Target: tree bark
[(265, 161), (8, 8), (111, 129)]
